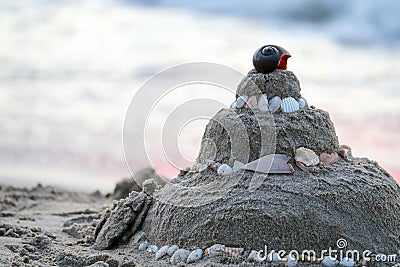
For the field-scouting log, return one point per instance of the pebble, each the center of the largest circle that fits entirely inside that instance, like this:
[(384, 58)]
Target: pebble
[(172, 249), (329, 261), (254, 256), (181, 255), (161, 252), (347, 262), (153, 249), (195, 255), (224, 170), (143, 246)]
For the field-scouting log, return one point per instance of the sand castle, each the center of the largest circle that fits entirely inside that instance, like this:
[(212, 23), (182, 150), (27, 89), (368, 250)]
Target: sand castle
[(268, 173)]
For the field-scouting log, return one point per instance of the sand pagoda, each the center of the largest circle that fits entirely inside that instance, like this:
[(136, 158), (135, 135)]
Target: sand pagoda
[(270, 171)]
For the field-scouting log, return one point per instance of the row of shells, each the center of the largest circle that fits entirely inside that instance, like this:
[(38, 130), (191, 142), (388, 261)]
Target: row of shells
[(273, 105), (180, 255)]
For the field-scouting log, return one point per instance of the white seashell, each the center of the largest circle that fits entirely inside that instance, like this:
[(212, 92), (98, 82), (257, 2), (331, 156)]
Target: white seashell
[(328, 261), (241, 101), (224, 170), (237, 165), (138, 236), (233, 105), (161, 252), (275, 104), (153, 249), (172, 249), (195, 255), (274, 257), (289, 104), (251, 102), (180, 255), (254, 256), (302, 103), (347, 262), (306, 156), (291, 260), (215, 250), (263, 103), (143, 246)]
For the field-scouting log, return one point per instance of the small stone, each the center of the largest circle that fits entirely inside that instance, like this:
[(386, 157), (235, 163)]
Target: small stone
[(347, 262), (172, 249), (254, 256), (329, 261), (161, 252), (143, 246), (152, 249), (179, 256), (138, 236), (195, 255), (224, 170), (100, 264)]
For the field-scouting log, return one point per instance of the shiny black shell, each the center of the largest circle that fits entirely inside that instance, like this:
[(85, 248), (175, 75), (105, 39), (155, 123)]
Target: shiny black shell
[(266, 59)]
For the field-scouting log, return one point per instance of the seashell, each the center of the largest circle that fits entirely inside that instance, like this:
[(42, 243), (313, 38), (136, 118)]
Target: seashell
[(303, 103), (329, 158), (233, 105), (195, 255), (224, 170), (345, 152), (263, 103), (328, 261), (251, 102), (274, 257), (285, 55), (291, 260), (275, 104), (153, 249), (161, 252), (254, 256), (310, 259), (266, 59), (233, 252), (272, 163), (241, 101), (347, 262), (213, 165), (138, 236), (203, 169), (215, 250), (289, 105), (143, 246), (180, 255), (172, 249), (306, 157), (237, 165)]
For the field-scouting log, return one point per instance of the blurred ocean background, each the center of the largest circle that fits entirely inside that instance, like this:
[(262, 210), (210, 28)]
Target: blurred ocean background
[(69, 69)]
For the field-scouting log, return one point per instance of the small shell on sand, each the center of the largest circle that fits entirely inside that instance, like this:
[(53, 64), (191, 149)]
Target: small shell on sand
[(172, 249), (306, 157), (347, 262), (161, 252), (180, 255), (153, 249), (241, 101), (195, 255), (254, 256), (213, 165), (275, 104), (143, 246), (289, 105), (272, 163), (138, 236), (224, 170), (251, 102), (263, 103), (329, 158), (345, 152), (303, 103), (329, 262), (234, 252), (215, 250), (291, 260), (233, 105), (237, 165)]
